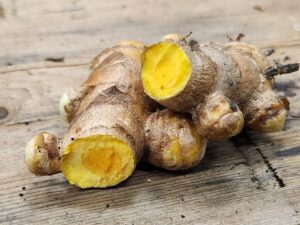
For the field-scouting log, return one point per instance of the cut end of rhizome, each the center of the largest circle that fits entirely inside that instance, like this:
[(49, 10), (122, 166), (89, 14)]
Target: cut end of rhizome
[(97, 161), (166, 70)]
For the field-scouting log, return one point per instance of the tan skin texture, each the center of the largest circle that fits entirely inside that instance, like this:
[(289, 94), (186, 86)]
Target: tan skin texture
[(112, 102), (43, 155), (226, 87), (225, 90), (172, 141)]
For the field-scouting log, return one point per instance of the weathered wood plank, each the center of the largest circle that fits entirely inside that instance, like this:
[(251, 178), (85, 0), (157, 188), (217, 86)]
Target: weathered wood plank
[(31, 40), (220, 186), (224, 183), (239, 181), (34, 94)]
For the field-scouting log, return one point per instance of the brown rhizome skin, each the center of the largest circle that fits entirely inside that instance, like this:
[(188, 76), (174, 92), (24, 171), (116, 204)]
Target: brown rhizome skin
[(115, 121)]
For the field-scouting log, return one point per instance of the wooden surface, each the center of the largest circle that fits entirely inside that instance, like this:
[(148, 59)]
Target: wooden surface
[(252, 179)]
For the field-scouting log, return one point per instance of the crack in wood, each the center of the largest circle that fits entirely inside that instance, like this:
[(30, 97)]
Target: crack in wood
[(240, 141), (27, 122), (55, 59), (243, 140), (41, 67), (255, 179), (271, 168)]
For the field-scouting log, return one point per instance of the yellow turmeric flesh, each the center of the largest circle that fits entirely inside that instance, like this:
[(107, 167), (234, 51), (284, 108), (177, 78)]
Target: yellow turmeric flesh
[(166, 70), (97, 161)]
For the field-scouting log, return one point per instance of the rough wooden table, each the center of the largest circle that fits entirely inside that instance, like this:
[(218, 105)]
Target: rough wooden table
[(251, 179)]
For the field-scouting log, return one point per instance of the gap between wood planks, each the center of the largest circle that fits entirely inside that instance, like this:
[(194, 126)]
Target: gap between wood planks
[(36, 67)]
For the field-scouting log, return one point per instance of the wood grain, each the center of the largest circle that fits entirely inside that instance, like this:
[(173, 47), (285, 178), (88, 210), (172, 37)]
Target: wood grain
[(251, 179)]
